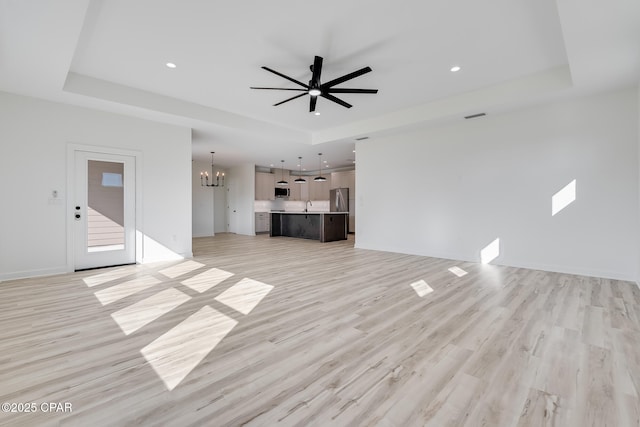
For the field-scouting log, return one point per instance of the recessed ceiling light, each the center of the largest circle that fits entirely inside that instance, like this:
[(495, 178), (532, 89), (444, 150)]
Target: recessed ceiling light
[(317, 113), (455, 69), (170, 65), (325, 161), (271, 165), (354, 151)]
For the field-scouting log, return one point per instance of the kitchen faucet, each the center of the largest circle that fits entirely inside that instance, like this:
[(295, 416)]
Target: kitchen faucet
[(305, 205)]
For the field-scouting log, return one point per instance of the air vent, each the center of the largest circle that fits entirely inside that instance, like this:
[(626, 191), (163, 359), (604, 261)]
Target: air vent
[(362, 138), (473, 116)]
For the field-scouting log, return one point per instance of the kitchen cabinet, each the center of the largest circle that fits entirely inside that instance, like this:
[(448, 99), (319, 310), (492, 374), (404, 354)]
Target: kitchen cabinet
[(346, 179), (319, 190), (299, 191), (265, 185), (323, 226), (263, 220), (283, 175)]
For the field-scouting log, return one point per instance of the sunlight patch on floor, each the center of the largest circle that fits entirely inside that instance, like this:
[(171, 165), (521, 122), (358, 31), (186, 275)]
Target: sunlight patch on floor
[(180, 269), (123, 290), (458, 271), (204, 281), (108, 276), (135, 316), (244, 295), (175, 354), (422, 288)]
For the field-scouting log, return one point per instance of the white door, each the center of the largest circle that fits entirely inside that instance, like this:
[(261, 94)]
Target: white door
[(232, 218), (104, 210)]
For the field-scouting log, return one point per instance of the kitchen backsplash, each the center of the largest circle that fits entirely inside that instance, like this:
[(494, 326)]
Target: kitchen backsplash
[(290, 205)]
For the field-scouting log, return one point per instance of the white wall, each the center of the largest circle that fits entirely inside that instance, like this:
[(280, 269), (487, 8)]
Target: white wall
[(449, 191), (241, 183), (638, 217), (209, 204), (34, 135), (202, 199)]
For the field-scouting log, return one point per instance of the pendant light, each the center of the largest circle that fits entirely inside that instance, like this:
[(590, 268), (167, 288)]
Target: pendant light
[(204, 177), (282, 181), (320, 178), (300, 179)]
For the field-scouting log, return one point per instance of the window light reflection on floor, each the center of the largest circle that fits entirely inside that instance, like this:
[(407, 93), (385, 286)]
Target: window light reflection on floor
[(422, 288), (123, 290), (177, 352), (244, 295), (180, 269), (102, 278), (204, 281), (135, 316), (458, 271)]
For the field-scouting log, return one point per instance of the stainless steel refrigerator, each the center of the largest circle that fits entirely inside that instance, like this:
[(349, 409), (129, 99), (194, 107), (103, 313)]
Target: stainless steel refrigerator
[(339, 200)]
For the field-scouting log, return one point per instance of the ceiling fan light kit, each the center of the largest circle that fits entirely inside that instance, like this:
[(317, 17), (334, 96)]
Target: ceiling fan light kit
[(317, 89)]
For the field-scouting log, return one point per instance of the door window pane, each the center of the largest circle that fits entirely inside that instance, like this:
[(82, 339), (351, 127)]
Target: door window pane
[(105, 210)]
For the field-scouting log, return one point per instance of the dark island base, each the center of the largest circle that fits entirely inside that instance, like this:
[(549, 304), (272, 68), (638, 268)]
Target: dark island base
[(323, 226)]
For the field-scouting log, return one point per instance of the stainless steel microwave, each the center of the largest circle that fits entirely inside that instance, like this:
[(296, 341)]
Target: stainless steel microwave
[(282, 192)]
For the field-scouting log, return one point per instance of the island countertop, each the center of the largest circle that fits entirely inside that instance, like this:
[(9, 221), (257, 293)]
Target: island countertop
[(323, 226), (309, 213)]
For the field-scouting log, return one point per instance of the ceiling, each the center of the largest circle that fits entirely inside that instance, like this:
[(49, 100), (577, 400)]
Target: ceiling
[(111, 55)]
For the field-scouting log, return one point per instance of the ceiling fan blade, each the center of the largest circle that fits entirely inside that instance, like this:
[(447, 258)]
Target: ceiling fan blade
[(331, 90), (317, 70), (336, 100), (290, 99), (312, 104), (346, 77), (278, 88), (285, 77)]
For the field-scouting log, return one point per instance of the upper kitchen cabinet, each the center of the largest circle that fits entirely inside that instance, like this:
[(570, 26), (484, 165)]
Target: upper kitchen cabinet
[(346, 179), (319, 190), (265, 185), (299, 191)]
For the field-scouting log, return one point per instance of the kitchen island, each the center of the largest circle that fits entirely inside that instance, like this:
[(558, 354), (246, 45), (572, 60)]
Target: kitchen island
[(323, 226)]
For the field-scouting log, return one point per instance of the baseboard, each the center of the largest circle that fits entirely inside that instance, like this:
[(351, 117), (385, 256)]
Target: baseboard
[(26, 274), (602, 274), (177, 257)]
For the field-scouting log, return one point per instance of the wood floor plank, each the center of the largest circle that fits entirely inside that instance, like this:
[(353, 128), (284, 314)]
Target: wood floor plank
[(298, 333)]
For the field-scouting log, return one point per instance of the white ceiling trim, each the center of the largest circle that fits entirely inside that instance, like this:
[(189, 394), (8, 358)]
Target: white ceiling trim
[(511, 93)]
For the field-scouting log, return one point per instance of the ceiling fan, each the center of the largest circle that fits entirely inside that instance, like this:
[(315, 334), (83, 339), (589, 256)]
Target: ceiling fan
[(315, 89)]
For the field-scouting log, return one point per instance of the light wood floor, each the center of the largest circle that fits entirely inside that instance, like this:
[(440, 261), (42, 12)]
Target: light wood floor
[(275, 331)]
